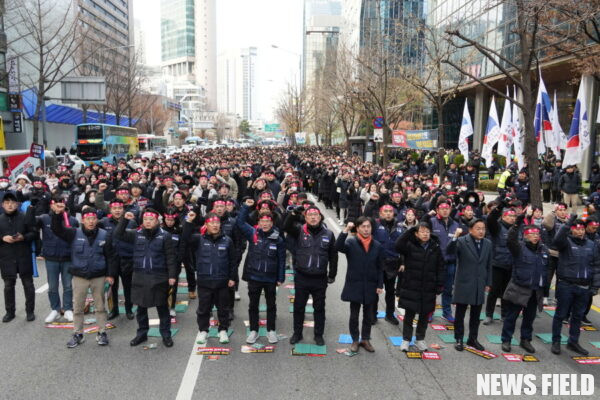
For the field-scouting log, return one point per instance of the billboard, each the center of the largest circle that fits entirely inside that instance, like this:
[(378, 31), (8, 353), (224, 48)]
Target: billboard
[(424, 140)]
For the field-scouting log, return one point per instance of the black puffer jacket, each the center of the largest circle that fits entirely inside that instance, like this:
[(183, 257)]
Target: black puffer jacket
[(424, 272)]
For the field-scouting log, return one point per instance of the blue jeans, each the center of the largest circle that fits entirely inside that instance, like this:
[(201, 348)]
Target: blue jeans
[(447, 294), (569, 298), (510, 320), (56, 270)]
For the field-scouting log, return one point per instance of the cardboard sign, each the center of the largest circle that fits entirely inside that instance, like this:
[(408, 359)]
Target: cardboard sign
[(414, 355), (436, 327), (481, 353), (587, 360), (530, 358), (431, 355), (512, 357), (205, 351), (589, 328), (257, 348)]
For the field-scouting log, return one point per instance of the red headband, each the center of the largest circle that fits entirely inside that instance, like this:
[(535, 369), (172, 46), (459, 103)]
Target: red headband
[(150, 214), (593, 223), (561, 207), (312, 211), (266, 217), (219, 203), (123, 191), (167, 179), (212, 219), (531, 230), (578, 226), (90, 214), (386, 207), (115, 203), (443, 205), (172, 216), (509, 212)]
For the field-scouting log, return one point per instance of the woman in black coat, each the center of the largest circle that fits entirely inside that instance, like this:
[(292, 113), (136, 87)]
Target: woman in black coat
[(354, 202), (364, 278), (422, 280)]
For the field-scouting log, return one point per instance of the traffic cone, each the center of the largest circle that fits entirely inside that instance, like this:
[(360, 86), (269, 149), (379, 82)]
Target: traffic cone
[(584, 216)]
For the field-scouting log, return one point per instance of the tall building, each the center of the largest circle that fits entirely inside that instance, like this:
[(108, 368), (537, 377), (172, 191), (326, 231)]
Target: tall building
[(188, 39), (237, 92), (322, 21), (249, 94)]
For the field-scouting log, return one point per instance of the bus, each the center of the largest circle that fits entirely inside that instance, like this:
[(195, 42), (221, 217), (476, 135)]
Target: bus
[(151, 142), (195, 140), (96, 143)]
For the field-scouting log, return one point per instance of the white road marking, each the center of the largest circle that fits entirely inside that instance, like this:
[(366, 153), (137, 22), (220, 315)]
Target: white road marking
[(188, 382), (42, 288), (333, 225)]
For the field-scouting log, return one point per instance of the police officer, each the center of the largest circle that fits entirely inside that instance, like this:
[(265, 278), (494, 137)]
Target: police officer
[(154, 271), (315, 251), (578, 278), (92, 264), (502, 259), (529, 274), (264, 268), (124, 264), (387, 231), (505, 181), (214, 256), (57, 256)]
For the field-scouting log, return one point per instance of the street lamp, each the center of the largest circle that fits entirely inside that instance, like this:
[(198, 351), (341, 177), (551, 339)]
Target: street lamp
[(274, 46)]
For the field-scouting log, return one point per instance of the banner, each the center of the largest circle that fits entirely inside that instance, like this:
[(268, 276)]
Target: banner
[(36, 151), (300, 137), (424, 140)]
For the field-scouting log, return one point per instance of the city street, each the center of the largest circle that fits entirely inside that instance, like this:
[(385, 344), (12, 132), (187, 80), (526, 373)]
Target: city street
[(37, 364)]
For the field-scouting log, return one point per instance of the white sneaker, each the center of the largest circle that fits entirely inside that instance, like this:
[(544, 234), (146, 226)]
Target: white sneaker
[(172, 312), (401, 311), (272, 337), (405, 345), (52, 316), (252, 337), (69, 315), (202, 337), (223, 337), (237, 296), (421, 345), (545, 301)]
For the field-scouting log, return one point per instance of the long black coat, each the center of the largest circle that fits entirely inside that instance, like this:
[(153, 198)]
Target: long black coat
[(15, 258), (354, 205), (424, 272), (365, 270)]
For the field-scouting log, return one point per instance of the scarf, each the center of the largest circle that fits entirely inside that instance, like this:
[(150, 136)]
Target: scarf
[(366, 242)]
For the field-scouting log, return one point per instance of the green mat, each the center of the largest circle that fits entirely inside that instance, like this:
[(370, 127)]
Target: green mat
[(495, 316), (293, 292), (262, 331), (289, 271), (595, 344), (304, 348), (181, 308), (449, 338), (154, 332), (496, 339), (550, 312), (121, 293), (182, 290), (214, 332), (122, 309), (308, 309), (290, 278), (262, 308), (182, 275), (438, 313), (547, 338)]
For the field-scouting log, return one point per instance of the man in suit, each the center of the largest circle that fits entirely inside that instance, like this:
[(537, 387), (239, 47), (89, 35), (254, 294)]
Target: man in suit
[(473, 277)]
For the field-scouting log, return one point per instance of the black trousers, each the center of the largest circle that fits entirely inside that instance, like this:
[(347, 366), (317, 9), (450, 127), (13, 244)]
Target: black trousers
[(459, 321), (556, 196), (407, 325), (207, 298), (318, 295), (125, 271), (552, 264), (190, 274), (255, 289), (500, 279), (9, 294), (365, 332), (143, 323)]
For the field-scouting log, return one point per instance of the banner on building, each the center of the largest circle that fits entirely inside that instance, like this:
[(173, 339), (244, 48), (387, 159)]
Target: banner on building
[(300, 137), (424, 140)]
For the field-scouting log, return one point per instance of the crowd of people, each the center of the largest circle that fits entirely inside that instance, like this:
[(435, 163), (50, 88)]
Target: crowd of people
[(408, 234)]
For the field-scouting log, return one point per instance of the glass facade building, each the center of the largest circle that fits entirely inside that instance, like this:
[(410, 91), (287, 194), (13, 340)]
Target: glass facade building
[(177, 29)]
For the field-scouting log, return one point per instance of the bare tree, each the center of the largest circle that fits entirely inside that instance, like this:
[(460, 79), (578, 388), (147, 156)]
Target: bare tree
[(46, 38), (519, 69), (294, 110), (155, 119)]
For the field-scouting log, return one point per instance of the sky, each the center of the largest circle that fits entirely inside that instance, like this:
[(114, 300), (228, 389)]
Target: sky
[(245, 23)]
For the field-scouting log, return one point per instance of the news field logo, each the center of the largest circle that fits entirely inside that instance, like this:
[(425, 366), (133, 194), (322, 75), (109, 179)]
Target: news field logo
[(532, 385)]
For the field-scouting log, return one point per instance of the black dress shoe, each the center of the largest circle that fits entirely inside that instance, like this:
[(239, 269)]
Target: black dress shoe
[(555, 348), (112, 315), (168, 341), (586, 321), (577, 348), (526, 345), (459, 345), (129, 315), (295, 338), (319, 341), (506, 347), (475, 344), (137, 340), (8, 317), (392, 319), (30, 317)]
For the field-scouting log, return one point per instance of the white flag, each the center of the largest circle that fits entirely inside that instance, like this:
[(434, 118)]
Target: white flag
[(492, 134), (505, 142), (560, 139), (466, 130), (518, 138)]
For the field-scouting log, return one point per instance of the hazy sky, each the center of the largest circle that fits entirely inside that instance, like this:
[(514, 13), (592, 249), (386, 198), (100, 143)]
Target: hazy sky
[(245, 23)]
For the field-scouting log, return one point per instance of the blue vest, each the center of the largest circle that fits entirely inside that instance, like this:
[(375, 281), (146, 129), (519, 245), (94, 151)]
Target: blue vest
[(52, 245), (227, 226), (123, 249), (149, 254), (312, 251), (388, 239), (445, 236), (575, 261), (212, 258), (261, 260), (531, 267), (87, 259), (502, 257)]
